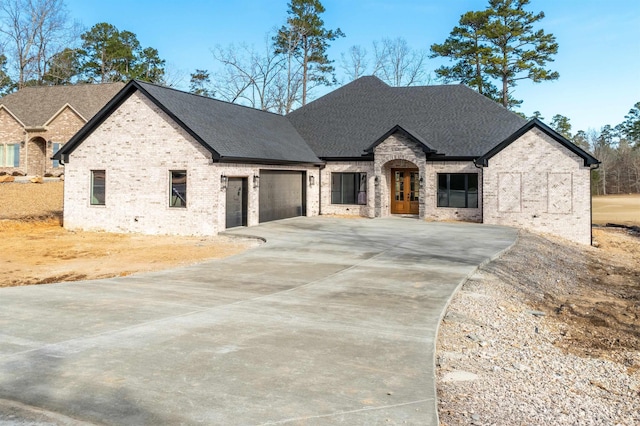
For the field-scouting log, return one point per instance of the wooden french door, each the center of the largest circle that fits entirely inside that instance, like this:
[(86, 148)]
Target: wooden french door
[(405, 191)]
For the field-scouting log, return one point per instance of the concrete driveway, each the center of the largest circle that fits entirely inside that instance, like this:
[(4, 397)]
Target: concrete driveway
[(331, 321)]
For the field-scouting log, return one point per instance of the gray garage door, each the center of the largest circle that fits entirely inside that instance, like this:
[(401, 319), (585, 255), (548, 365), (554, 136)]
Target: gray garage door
[(282, 194)]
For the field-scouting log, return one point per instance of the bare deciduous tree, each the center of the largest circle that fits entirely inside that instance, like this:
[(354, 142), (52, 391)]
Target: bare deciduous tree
[(354, 63), (254, 78), (34, 31), (394, 62), (397, 64)]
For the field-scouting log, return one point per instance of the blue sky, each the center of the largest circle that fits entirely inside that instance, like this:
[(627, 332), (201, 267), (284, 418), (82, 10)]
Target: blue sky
[(598, 58)]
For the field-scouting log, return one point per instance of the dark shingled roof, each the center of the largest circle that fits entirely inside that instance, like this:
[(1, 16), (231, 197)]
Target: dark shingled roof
[(235, 131), (452, 119), (35, 106)]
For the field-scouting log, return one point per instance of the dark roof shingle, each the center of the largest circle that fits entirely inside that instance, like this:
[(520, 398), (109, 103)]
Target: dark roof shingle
[(232, 130), (452, 119)]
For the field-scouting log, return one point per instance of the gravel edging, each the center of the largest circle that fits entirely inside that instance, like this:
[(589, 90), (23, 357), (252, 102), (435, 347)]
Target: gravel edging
[(445, 310), (496, 362)]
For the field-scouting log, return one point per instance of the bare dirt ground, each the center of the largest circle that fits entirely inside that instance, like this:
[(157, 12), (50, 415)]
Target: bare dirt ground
[(592, 294), (620, 209), (36, 249), (28, 201)]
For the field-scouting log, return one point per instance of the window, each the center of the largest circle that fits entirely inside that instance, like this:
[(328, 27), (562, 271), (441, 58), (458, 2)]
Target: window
[(97, 187), (56, 148), (458, 190), (178, 197), (349, 188), (10, 155)]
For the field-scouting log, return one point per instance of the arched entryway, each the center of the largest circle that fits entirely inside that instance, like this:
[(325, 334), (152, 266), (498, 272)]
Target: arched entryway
[(400, 188), (36, 156)]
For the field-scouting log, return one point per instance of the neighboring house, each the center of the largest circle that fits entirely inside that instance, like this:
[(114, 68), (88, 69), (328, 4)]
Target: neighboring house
[(36, 121), (157, 160)]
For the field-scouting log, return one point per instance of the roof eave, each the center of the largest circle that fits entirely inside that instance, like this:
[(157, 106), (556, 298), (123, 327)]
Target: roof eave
[(267, 161)]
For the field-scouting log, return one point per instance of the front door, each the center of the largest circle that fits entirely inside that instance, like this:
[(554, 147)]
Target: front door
[(236, 202), (405, 191)]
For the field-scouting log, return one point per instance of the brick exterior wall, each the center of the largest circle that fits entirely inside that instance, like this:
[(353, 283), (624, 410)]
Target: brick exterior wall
[(138, 146), (348, 209), (35, 155), (11, 132), (536, 183)]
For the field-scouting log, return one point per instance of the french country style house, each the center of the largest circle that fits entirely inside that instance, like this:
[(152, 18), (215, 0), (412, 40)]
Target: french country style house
[(160, 161)]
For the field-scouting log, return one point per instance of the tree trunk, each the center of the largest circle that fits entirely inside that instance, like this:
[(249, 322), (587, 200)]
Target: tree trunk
[(505, 82), (305, 70)]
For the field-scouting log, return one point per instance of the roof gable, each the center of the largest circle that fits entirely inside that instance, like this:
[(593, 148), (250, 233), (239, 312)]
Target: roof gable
[(535, 123), (230, 132), (67, 106), (397, 129), (11, 114)]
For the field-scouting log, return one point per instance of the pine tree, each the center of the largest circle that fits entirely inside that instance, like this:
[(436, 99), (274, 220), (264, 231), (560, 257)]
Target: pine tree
[(305, 39), (498, 44)]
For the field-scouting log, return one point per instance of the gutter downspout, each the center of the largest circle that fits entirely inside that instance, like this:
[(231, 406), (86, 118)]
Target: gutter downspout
[(320, 169), (597, 166), (482, 209)]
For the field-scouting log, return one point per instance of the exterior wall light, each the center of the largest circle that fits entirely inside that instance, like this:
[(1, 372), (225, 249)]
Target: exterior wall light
[(256, 181), (312, 180), (376, 180), (223, 182)]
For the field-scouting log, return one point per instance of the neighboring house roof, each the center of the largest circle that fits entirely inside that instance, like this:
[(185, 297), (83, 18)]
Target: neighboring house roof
[(35, 106), (589, 159), (453, 120), (229, 131)]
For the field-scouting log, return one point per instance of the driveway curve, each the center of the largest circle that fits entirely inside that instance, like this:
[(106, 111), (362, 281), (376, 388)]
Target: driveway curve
[(330, 321)]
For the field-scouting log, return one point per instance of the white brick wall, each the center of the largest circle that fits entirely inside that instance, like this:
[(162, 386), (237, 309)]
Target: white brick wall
[(536, 183), (348, 209), (434, 212), (138, 145)]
